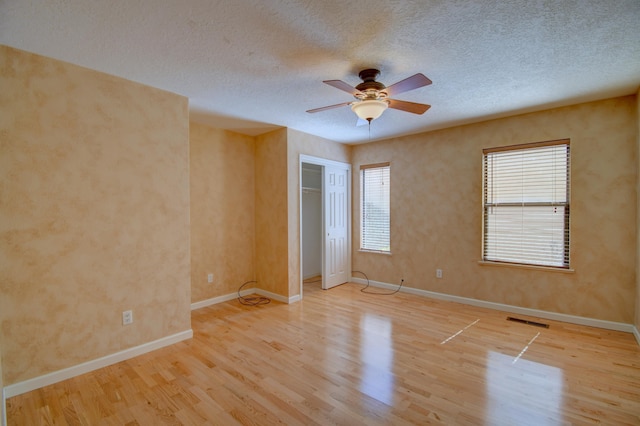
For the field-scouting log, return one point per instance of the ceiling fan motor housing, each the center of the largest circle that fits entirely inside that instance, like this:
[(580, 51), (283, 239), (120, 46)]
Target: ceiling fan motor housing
[(370, 87), (369, 74)]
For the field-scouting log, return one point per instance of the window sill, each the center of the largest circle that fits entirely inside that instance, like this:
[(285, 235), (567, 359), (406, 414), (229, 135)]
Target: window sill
[(533, 267), (387, 253)]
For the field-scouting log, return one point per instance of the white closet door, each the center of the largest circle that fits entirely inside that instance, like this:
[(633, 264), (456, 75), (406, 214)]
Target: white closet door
[(336, 227)]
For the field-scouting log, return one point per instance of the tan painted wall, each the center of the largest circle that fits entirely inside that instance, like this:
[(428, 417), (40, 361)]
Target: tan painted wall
[(436, 211), (222, 210), (94, 214), (271, 238), (302, 143), (224, 167)]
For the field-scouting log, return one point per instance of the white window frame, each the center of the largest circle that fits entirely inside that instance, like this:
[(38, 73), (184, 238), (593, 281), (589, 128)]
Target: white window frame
[(375, 216), (522, 207)]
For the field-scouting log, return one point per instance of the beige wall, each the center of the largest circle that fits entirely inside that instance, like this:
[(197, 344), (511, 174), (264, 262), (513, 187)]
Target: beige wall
[(222, 211), (436, 211), (302, 143), (271, 249), (245, 195), (94, 214)]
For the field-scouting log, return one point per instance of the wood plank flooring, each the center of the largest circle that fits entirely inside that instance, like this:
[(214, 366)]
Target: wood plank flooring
[(344, 357)]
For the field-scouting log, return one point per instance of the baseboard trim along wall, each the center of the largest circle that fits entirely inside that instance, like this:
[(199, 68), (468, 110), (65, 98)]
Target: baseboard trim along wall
[(637, 334), (86, 367), (245, 292), (220, 299), (573, 319)]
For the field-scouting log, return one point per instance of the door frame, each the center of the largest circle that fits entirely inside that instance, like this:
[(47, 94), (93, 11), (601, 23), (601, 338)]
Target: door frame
[(324, 162)]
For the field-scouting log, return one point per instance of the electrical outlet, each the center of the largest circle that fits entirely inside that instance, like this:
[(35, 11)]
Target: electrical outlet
[(127, 317), (210, 278), (438, 273)]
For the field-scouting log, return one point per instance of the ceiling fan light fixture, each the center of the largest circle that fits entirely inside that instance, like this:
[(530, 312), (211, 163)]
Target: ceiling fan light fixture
[(369, 109)]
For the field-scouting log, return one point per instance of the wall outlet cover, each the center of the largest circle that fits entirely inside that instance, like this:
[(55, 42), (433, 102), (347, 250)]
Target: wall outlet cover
[(127, 317)]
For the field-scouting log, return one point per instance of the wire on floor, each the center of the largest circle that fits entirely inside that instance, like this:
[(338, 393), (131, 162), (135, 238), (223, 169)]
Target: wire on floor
[(364, 289), (252, 300)]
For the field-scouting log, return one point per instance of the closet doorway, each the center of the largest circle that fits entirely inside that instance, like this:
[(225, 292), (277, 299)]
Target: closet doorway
[(325, 222)]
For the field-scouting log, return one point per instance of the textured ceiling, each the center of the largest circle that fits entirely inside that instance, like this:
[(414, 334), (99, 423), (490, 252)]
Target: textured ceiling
[(254, 65)]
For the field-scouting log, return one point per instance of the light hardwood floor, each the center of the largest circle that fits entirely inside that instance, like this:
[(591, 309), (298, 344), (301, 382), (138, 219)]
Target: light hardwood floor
[(344, 357)]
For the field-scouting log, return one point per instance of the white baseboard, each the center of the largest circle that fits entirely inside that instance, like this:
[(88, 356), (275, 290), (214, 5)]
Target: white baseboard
[(86, 367), (220, 299), (295, 298), (573, 319), (277, 297), (245, 292), (636, 333)]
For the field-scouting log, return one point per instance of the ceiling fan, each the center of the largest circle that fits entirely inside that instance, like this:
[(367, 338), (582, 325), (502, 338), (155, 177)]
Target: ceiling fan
[(372, 97)]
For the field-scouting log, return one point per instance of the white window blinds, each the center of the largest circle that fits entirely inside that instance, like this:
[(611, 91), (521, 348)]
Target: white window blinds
[(526, 204), (375, 184)]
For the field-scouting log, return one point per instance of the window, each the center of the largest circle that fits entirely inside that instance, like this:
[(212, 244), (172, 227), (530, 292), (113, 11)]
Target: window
[(526, 204), (374, 202)]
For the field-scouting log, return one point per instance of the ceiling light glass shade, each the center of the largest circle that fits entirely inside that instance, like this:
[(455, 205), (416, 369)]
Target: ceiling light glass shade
[(370, 109)]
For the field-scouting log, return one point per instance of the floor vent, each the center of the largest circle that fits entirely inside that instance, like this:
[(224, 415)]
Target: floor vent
[(537, 324)]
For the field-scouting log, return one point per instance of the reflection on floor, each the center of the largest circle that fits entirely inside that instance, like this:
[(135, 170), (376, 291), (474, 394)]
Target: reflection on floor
[(343, 357), (311, 285), (541, 385), (376, 352)]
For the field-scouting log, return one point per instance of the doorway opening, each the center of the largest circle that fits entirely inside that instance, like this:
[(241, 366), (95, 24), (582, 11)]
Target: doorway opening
[(311, 226), (325, 223)]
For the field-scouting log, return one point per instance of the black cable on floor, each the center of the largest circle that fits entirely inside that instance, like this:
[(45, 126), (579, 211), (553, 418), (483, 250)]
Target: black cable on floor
[(375, 292), (252, 300)]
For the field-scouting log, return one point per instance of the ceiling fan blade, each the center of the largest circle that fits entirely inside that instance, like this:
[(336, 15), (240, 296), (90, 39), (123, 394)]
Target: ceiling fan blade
[(338, 84), (412, 107), (329, 107), (413, 82)]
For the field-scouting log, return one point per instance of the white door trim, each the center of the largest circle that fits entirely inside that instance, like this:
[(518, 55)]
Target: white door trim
[(324, 162)]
